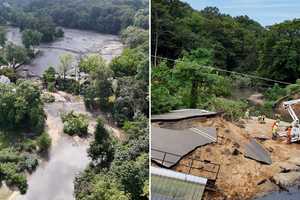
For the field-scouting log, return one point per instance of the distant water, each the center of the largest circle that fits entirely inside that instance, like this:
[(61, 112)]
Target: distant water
[(75, 42), (292, 194)]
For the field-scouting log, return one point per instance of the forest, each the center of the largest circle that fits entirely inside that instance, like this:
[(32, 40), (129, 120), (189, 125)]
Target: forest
[(118, 169), (200, 57)]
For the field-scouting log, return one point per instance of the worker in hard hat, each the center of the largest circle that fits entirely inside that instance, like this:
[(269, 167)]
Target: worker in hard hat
[(275, 129)]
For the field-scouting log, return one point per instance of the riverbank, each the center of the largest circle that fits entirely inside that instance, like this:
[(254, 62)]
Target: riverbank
[(67, 156)]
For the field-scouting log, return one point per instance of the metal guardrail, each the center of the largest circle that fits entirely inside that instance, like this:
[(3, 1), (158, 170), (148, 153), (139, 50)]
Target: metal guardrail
[(206, 166)]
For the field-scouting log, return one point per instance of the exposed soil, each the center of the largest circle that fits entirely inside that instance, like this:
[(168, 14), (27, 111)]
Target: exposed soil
[(240, 177)]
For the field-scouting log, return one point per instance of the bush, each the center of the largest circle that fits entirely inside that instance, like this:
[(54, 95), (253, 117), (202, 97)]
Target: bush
[(275, 92), (9, 73), (30, 163), (233, 110), (43, 142), (12, 177), (75, 124), (68, 85), (48, 98)]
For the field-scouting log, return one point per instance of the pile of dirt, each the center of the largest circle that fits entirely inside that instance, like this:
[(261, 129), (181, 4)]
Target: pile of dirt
[(279, 109), (240, 177)]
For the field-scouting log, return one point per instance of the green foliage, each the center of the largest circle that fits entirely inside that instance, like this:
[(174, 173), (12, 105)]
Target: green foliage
[(274, 93), (102, 16), (177, 28), (131, 99), (99, 187), (43, 142), (126, 64), (9, 73), (49, 75), (233, 110), (31, 38), (101, 149), (102, 82), (75, 124), (280, 55), (66, 61), (136, 128), (90, 63), (21, 107), (293, 88), (14, 55), (10, 173), (132, 36), (3, 38), (49, 79), (68, 85), (30, 163), (48, 98)]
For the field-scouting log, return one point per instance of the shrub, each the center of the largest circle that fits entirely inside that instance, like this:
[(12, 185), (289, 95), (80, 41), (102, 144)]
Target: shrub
[(233, 110), (9, 73), (275, 92), (10, 174), (68, 85), (48, 98), (30, 163), (75, 124), (43, 142)]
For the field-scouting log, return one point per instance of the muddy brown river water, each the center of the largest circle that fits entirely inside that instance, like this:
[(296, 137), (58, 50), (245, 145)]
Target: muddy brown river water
[(53, 179), (75, 42)]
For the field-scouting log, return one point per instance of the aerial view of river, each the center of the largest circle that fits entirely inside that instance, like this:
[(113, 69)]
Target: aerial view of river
[(75, 42), (54, 177)]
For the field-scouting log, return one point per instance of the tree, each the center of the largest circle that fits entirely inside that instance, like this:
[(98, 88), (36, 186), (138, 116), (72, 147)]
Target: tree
[(15, 55), (44, 142), (102, 83), (3, 38), (31, 38), (21, 107), (280, 55), (90, 63), (126, 64), (49, 78), (101, 149), (192, 69), (66, 61)]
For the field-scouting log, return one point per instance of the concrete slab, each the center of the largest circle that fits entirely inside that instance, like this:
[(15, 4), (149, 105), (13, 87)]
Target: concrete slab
[(176, 115), (168, 146), (255, 151)]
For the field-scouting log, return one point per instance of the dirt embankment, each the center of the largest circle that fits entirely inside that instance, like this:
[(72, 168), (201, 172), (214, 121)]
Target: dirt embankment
[(240, 177), (284, 113)]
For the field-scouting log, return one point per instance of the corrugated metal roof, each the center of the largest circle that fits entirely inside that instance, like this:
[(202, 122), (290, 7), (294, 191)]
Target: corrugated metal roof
[(177, 175), (255, 151), (178, 142), (182, 114)]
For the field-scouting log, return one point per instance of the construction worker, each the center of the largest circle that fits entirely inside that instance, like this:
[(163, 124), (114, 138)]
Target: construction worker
[(275, 129), (261, 119), (247, 114)]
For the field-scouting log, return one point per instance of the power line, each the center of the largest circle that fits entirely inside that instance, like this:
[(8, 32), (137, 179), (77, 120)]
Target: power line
[(232, 72)]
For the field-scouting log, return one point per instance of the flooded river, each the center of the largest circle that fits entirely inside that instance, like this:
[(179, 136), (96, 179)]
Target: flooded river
[(53, 179), (75, 42)]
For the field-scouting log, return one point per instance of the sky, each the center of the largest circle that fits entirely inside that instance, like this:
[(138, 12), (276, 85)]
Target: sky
[(266, 12)]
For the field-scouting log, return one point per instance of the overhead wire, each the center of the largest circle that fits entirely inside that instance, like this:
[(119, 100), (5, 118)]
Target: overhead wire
[(229, 71)]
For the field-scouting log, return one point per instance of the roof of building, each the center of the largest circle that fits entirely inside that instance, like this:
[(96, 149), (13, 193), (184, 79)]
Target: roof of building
[(176, 115), (168, 146)]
